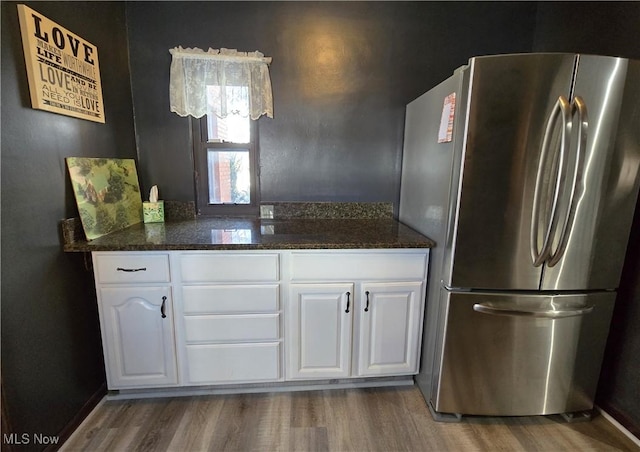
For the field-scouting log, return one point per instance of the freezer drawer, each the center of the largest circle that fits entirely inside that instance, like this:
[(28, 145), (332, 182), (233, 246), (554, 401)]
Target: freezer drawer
[(511, 355)]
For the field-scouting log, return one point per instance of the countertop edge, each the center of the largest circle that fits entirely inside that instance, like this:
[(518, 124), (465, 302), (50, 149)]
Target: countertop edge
[(86, 247), (217, 235)]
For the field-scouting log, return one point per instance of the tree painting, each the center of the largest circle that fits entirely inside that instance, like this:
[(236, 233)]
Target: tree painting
[(107, 193)]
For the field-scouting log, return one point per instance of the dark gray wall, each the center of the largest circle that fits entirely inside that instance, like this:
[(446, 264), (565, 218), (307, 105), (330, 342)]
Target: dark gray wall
[(619, 389), (342, 73), (609, 28), (51, 352), (599, 28)]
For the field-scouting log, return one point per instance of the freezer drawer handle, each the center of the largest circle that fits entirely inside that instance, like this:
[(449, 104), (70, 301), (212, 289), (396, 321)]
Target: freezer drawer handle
[(550, 314)]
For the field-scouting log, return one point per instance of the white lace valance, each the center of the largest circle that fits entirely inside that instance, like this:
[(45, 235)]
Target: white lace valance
[(220, 82)]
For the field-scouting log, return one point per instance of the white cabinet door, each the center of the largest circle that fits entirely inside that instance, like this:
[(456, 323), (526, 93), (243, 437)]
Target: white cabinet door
[(390, 328), (319, 336), (137, 325)]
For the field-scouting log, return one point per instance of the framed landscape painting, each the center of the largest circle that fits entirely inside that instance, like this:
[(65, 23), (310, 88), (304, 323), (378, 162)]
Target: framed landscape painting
[(107, 193)]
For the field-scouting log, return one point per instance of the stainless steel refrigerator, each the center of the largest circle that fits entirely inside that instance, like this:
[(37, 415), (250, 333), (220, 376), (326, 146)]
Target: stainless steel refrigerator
[(525, 170)]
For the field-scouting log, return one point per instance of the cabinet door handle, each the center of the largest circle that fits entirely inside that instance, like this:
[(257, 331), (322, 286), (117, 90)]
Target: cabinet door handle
[(366, 309), (142, 269), (348, 295), (164, 301)]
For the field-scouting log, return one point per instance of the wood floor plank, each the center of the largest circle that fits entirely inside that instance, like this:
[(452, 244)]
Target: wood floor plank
[(207, 413), (426, 433), (274, 430), (496, 436), (159, 428), (228, 428), (601, 434), (385, 412), (347, 428), (309, 439), (191, 433), (122, 439), (308, 409), (375, 419)]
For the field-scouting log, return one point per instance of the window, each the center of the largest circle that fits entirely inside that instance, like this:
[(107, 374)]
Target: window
[(229, 91), (226, 162)]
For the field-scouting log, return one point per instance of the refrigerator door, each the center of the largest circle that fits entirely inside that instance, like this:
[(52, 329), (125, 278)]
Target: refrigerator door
[(591, 252), (511, 98), (513, 355)]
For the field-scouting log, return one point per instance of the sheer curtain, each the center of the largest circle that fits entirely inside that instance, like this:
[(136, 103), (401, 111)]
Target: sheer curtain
[(220, 82)]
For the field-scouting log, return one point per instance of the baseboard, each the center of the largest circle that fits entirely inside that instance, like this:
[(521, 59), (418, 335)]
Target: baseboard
[(289, 386), (618, 425), (79, 418)]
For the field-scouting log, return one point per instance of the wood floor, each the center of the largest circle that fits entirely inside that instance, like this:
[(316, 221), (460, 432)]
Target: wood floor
[(379, 419)]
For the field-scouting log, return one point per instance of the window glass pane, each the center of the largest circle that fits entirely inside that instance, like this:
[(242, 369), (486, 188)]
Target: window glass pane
[(235, 128), (229, 177)]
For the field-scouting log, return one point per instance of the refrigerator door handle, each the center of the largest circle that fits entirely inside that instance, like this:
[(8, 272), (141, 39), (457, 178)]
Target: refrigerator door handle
[(548, 314), (562, 108), (576, 186)]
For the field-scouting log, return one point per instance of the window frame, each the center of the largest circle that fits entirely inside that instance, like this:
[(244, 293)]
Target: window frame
[(201, 146)]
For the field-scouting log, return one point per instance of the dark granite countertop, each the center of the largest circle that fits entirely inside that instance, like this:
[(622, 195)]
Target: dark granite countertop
[(248, 234)]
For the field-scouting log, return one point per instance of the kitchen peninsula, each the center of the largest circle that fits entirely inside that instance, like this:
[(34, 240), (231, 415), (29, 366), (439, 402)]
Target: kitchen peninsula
[(290, 300)]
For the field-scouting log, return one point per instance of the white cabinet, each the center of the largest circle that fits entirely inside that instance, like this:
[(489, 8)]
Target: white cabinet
[(390, 328), (320, 335), (136, 320), (229, 317), (355, 328), (139, 340), (195, 318)]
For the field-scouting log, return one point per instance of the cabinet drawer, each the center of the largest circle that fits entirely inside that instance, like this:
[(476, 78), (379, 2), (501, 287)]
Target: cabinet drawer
[(131, 268), (219, 328), (223, 267), (339, 266), (229, 298), (233, 362)]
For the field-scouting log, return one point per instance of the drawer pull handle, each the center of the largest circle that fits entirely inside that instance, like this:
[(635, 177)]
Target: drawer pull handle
[(348, 295), (142, 269), (366, 309), (164, 300)]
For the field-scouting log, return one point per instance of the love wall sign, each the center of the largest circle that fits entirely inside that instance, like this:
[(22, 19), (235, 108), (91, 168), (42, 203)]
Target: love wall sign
[(63, 71)]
